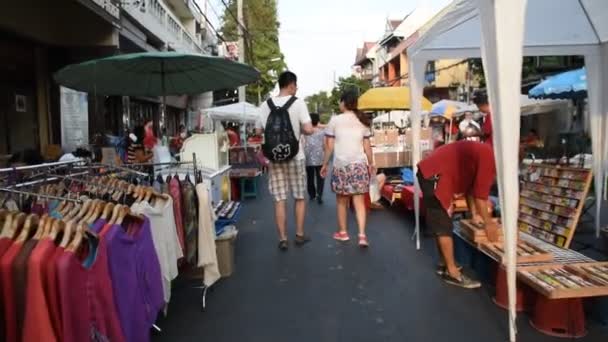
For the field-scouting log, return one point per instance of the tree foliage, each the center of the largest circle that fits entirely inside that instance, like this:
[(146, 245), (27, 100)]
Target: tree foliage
[(262, 49), (326, 103)]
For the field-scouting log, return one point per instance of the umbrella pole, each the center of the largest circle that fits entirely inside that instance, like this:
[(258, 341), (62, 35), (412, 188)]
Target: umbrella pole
[(450, 137), (163, 89)]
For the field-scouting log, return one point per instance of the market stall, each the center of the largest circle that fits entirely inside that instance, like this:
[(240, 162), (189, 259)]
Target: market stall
[(495, 31), (391, 147), (243, 158)]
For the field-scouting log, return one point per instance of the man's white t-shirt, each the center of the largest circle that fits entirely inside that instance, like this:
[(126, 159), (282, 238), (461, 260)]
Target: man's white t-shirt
[(298, 114)]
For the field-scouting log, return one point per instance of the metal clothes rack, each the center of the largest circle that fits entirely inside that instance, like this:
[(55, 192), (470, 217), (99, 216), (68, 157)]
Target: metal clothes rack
[(39, 166), (35, 194)]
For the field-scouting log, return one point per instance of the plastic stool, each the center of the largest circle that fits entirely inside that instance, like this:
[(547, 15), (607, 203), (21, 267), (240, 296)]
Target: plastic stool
[(559, 317), (253, 193), (501, 298)]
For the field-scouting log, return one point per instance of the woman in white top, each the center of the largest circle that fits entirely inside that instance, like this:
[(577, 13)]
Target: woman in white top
[(348, 139)]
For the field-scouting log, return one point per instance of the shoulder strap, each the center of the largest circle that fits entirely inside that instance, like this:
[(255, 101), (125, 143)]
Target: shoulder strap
[(289, 102), (271, 104)]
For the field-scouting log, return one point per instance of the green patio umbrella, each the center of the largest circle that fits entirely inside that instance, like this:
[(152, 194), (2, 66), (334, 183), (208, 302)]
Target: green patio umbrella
[(155, 74)]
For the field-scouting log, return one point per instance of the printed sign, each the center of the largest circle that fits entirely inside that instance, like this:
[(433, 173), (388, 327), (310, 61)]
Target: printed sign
[(74, 119)]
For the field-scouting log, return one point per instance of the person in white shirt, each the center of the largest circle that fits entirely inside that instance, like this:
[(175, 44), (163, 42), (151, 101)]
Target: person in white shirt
[(468, 121), (290, 175), (348, 140)]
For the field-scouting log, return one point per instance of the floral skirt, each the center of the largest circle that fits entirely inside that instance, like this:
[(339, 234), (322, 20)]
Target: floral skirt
[(352, 179)]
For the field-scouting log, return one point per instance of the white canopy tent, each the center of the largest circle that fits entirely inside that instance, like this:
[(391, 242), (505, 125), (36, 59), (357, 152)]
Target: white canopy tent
[(528, 106), (532, 106), (241, 112), (399, 117), (501, 32)]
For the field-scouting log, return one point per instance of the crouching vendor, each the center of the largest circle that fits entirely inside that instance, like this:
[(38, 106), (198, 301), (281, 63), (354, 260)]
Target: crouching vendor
[(460, 167)]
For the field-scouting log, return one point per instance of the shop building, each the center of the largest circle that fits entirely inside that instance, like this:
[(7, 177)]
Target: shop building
[(386, 63), (39, 37)]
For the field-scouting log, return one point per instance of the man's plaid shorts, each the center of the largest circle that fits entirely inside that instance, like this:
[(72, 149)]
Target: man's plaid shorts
[(286, 176)]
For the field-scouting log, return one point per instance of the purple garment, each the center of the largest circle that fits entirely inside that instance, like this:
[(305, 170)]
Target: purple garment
[(98, 225), (135, 273)]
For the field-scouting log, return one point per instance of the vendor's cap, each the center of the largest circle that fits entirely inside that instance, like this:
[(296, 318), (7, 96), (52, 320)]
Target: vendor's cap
[(480, 98)]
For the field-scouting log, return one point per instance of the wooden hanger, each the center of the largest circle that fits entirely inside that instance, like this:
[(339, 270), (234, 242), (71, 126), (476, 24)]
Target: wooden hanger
[(148, 194), (57, 227), (3, 214), (40, 230), (89, 211), (124, 211), (77, 240), (67, 208), (72, 213), (48, 227), (115, 212), (31, 221), (107, 210), (67, 234), (98, 210), (17, 222), (6, 226), (84, 210)]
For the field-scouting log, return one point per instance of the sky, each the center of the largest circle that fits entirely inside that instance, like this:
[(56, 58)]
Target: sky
[(319, 38)]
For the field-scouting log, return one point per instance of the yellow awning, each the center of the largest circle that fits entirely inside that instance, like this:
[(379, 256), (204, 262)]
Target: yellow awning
[(389, 98)]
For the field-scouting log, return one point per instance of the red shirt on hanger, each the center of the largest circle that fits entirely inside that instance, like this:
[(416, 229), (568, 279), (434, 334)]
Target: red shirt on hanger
[(8, 293), (52, 291), (37, 324), (88, 311)]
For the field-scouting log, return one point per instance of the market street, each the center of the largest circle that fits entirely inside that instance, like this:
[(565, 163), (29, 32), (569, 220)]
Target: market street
[(331, 292)]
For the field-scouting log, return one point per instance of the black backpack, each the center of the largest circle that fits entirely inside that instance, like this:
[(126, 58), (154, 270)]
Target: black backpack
[(280, 142)]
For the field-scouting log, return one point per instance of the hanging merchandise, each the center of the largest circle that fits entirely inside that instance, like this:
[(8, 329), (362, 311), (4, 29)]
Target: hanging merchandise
[(73, 241), (207, 257)]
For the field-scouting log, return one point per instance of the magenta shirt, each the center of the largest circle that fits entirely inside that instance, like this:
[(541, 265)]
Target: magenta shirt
[(135, 270), (88, 311)]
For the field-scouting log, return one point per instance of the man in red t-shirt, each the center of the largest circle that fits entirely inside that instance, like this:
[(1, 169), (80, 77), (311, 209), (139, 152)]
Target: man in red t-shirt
[(481, 100), (462, 167)]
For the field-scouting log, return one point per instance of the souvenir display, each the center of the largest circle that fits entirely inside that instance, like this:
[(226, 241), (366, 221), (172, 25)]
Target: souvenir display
[(526, 252), (477, 233), (551, 201), (567, 281)]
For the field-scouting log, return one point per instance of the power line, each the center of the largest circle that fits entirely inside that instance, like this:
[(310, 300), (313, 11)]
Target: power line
[(238, 22), (217, 34), (215, 11)]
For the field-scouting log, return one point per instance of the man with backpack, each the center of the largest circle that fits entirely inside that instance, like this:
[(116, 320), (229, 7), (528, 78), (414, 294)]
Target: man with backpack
[(283, 119)]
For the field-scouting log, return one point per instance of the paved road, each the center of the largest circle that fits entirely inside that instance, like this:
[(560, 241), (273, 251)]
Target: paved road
[(326, 291)]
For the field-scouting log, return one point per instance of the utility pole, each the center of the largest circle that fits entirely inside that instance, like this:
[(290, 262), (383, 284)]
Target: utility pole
[(241, 33)]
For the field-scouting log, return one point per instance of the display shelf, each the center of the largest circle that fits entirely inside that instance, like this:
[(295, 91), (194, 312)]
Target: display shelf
[(544, 225), (526, 252), (542, 234), (567, 281), (552, 200), (223, 220), (546, 216), (549, 210), (475, 233)]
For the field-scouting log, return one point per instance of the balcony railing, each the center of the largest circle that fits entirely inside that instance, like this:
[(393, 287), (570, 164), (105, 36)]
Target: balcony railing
[(159, 20)]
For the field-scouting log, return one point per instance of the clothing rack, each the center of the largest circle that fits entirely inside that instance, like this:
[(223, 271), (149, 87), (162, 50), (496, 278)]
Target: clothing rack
[(113, 167), (39, 166), (35, 194)]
